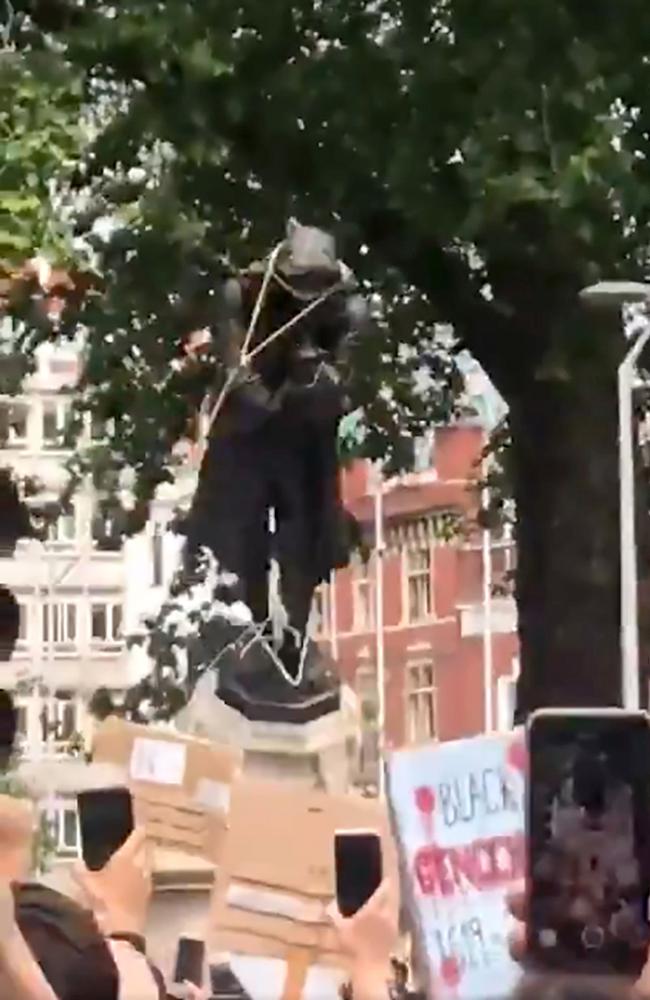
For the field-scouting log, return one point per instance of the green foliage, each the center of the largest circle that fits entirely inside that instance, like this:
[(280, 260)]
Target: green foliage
[(479, 163), (40, 142), (172, 99)]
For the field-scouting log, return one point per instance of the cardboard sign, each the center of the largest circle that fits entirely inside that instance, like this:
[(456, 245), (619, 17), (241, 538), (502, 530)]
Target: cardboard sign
[(278, 880), (458, 812), (181, 786)]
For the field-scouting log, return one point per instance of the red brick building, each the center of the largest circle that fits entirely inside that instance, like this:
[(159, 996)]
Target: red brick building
[(434, 600)]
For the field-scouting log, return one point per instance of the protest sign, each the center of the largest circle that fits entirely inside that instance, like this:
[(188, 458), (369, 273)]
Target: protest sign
[(458, 812), (270, 919), (181, 786)]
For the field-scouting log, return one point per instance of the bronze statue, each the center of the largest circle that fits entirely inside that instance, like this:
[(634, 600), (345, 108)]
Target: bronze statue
[(269, 481)]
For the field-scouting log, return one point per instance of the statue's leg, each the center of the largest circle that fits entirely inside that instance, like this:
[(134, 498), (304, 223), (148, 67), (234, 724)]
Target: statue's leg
[(229, 515), (296, 539)]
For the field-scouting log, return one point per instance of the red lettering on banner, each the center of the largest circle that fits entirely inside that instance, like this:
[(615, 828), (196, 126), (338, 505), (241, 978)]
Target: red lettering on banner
[(482, 864)]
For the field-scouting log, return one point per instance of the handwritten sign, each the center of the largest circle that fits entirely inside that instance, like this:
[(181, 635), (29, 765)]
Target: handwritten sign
[(459, 817), (158, 761)]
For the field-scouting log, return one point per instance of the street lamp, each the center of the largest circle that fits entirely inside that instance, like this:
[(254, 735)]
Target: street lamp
[(617, 294), (379, 490)]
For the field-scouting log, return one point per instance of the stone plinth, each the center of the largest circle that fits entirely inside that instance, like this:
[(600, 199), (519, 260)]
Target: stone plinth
[(318, 753)]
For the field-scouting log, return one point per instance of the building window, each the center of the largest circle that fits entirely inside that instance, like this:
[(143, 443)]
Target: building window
[(418, 583), (424, 451), (63, 823), (363, 597), (106, 623), (507, 698), (60, 624), (507, 703), (59, 720), (63, 530), (64, 366), (99, 429), (23, 612), (106, 530), (13, 425), (157, 555), (320, 610), (421, 703), (22, 721), (54, 418), (368, 695)]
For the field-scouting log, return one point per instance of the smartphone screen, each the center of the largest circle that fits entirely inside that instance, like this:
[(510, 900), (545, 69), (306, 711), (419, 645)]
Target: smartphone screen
[(8, 725), (358, 869), (225, 984), (588, 841), (189, 961), (105, 823)]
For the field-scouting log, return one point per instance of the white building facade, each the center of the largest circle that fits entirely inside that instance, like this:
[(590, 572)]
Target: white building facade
[(71, 593)]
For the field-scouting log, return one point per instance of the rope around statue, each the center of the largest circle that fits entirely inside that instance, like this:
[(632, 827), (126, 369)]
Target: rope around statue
[(247, 356), (256, 632)]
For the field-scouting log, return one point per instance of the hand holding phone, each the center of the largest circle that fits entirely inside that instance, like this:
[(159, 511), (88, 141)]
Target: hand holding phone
[(120, 892), (189, 961), (359, 869), (588, 819)]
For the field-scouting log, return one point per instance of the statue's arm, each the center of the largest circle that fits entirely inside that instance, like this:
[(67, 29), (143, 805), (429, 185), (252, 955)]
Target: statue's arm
[(230, 336)]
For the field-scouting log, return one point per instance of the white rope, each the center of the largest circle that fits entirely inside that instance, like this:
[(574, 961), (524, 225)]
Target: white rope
[(257, 631), (294, 319), (245, 359), (261, 295)]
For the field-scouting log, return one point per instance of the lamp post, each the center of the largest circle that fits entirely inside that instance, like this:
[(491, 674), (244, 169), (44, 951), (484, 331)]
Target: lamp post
[(379, 620), (488, 653), (617, 294)]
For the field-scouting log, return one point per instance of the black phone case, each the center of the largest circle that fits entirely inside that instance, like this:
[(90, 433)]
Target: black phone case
[(573, 955), (359, 870), (105, 824), (189, 961)]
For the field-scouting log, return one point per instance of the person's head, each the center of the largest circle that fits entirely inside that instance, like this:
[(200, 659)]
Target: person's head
[(9, 623), (67, 944)]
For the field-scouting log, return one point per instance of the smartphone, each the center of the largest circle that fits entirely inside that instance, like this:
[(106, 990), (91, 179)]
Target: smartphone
[(588, 819), (359, 868), (105, 823), (224, 983), (8, 726), (189, 961)]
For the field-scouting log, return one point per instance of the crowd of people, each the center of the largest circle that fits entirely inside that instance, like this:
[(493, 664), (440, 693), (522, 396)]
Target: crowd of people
[(55, 947)]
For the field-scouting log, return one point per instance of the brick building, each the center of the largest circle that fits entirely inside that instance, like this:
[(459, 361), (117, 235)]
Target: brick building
[(435, 640)]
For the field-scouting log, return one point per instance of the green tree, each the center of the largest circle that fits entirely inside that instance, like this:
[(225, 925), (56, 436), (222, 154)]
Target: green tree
[(41, 136), (481, 162)]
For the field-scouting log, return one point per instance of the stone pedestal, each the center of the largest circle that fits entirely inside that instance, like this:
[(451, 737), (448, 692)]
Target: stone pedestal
[(318, 753)]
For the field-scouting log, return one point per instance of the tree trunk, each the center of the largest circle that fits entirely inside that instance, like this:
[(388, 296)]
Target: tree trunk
[(565, 467)]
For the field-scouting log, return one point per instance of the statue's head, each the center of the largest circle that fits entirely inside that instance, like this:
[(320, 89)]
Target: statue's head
[(306, 264), (309, 252), (305, 269)]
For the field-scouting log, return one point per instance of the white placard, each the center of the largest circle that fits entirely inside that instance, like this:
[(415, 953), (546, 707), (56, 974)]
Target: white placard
[(158, 761), (322, 982), (459, 816), (213, 796), (262, 978)]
